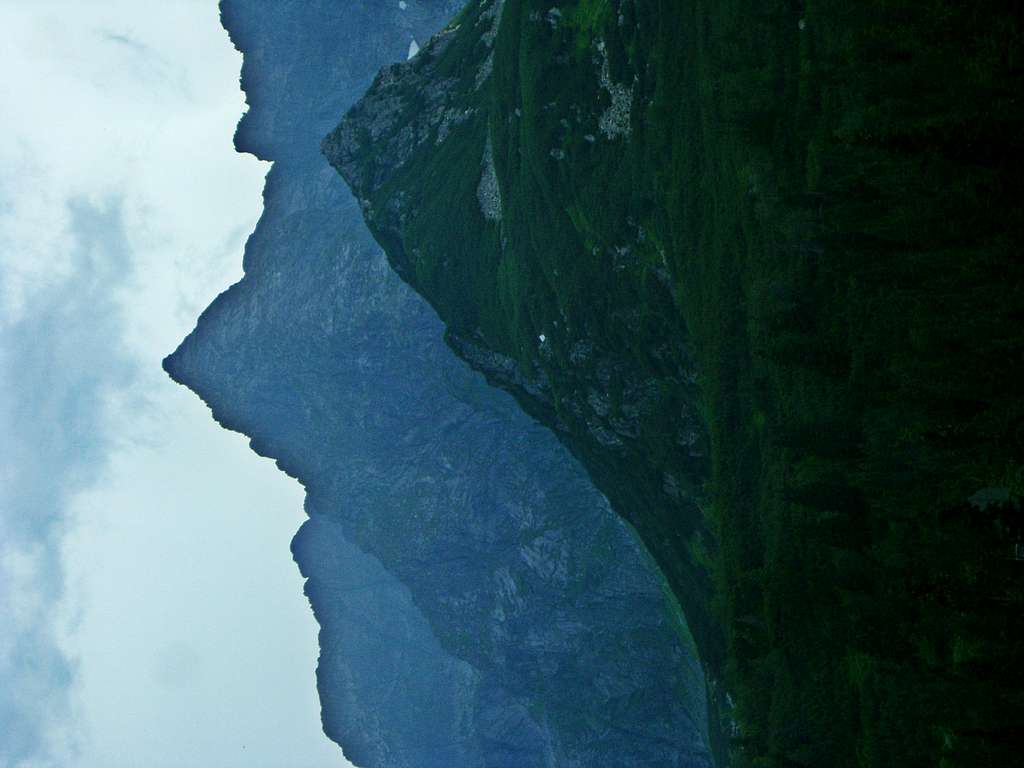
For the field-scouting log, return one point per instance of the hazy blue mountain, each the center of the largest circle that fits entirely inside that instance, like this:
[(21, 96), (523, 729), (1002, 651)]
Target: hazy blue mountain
[(480, 603)]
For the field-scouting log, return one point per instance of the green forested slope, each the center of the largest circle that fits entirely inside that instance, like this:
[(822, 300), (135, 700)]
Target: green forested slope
[(815, 208)]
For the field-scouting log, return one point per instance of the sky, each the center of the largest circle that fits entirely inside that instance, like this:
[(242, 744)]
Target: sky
[(150, 612)]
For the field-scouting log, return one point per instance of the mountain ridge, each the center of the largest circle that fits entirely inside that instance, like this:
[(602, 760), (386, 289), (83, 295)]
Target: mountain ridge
[(472, 612), (420, 150)]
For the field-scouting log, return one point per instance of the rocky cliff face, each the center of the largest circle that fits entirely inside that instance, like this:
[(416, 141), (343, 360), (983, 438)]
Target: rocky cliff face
[(490, 167), (480, 603)]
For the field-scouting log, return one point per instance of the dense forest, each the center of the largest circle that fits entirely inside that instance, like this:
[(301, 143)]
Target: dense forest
[(798, 223), (865, 382)]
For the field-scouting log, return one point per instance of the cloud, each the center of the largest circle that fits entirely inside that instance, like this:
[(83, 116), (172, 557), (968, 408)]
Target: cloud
[(119, 496), (125, 40), (60, 363), (147, 65)]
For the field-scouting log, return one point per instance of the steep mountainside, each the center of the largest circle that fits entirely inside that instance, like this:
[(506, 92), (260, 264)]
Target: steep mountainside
[(580, 324), (480, 603), (574, 311), (757, 265)]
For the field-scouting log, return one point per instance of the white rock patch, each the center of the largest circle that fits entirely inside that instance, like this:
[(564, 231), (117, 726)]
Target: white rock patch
[(615, 120), (488, 193)]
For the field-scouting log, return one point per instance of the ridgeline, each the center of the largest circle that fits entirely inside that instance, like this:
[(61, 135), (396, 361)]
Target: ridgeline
[(757, 264)]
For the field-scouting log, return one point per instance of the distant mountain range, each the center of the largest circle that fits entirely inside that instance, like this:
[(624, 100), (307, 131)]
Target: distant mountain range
[(480, 602)]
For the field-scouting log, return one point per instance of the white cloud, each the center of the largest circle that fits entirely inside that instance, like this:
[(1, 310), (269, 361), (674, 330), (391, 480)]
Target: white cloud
[(59, 361), (150, 613)]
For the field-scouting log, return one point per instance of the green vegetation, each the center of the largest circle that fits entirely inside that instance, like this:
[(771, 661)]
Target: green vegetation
[(857, 309), (820, 204)]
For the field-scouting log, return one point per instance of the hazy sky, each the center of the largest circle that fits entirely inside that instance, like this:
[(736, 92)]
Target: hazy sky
[(150, 612)]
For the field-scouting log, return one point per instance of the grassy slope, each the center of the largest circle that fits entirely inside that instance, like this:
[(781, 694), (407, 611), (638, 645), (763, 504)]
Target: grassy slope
[(539, 284), (827, 217), (870, 607)]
